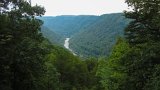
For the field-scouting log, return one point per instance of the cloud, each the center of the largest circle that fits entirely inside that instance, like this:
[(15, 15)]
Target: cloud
[(81, 7)]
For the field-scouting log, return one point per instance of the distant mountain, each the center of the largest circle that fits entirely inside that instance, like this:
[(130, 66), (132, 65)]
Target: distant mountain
[(68, 25), (90, 35), (99, 37), (52, 36)]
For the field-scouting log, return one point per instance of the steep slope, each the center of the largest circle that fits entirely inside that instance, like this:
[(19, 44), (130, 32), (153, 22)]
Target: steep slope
[(68, 25), (98, 38), (52, 36), (90, 35)]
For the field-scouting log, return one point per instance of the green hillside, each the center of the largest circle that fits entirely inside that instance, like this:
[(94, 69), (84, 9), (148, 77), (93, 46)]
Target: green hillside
[(28, 61), (90, 35), (68, 25), (52, 36), (98, 38)]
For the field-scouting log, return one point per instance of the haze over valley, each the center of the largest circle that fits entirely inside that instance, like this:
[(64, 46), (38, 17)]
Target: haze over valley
[(89, 35), (79, 45)]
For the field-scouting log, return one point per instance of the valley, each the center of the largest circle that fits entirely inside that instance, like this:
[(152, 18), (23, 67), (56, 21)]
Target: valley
[(90, 35), (117, 51), (66, 45)]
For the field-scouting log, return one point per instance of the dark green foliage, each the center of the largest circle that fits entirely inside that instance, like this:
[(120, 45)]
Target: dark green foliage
[(28, 61), (74, 73), (146, 21), (90, 35), (21, 49), (141, 65), (93, 80), (154, 82), (143, 35), (64, 71), (99, 37), (112, 71), (51, 36), (135, 65), (68, 25)]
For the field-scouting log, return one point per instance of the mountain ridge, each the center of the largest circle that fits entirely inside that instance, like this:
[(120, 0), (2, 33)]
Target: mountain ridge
[(99, 38), (82, 29)]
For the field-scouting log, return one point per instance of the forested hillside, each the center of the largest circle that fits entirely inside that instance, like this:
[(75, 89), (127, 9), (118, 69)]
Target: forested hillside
[(29, 61), (99, 38), (52, 36), (68, 25), (90, 35), (135, 61)]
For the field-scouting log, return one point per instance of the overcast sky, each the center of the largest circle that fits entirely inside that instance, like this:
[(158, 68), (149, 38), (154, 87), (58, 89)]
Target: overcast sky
[(81, 7)]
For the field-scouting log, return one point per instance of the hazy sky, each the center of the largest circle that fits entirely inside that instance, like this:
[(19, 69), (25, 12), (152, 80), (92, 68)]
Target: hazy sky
[(81, 7)]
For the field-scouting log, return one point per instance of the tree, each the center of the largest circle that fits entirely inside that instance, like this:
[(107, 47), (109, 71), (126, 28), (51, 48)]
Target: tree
[(146, 21), (112, 70), (143, 36), (21, 48)]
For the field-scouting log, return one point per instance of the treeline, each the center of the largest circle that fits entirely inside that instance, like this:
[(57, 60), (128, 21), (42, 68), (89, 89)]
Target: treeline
[(28, 61), (99, 37), (91, 36), (68, 25), (135, 61), (53, 37), (64, 71), (22, 48)]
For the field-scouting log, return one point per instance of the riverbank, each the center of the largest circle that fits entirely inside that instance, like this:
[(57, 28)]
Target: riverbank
[(66, 45)]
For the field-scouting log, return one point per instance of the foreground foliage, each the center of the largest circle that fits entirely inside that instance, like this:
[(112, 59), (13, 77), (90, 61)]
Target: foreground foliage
[(134, 62), (28, 61)]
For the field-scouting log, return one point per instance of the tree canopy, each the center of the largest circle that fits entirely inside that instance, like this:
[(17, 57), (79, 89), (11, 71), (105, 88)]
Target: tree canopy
[(28, 61)]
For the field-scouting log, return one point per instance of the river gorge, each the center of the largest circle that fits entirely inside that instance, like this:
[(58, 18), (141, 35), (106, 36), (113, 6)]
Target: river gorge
[(66, 45)]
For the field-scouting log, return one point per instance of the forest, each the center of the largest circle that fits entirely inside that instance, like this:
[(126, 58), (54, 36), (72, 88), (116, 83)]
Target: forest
[(91, 35), (29, 61), (98, 39)]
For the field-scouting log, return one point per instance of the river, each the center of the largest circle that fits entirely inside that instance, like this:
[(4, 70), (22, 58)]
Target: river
[(66, 45)]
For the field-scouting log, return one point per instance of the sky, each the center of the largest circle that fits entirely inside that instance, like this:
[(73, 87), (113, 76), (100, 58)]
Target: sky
[(81, 7)]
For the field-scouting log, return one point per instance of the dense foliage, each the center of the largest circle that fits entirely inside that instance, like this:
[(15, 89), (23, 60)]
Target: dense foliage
[(67, 72), (21, 47), (134, 63), (52, 36), (98, 39), (28, 61), (90, 35), (68, 25)]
